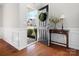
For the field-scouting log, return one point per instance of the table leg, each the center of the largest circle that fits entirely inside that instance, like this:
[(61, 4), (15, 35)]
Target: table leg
[(67, 41)]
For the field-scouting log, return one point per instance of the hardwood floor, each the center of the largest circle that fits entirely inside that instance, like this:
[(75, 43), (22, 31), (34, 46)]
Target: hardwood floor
[(38, 49)]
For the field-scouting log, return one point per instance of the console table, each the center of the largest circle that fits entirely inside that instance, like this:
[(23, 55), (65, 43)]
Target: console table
[(59, 31)]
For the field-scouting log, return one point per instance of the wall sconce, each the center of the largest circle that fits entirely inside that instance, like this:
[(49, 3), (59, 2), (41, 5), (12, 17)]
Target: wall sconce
[(61, 19)]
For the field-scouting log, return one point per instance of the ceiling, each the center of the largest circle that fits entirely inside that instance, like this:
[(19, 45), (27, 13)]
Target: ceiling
[(31, 5), (35, 5)]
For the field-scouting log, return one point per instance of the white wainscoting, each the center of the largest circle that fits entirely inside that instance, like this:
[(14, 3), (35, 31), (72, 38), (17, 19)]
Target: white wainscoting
[(73, 38), (15, 37)]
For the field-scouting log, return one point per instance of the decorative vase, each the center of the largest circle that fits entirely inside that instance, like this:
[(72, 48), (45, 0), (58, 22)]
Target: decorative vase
[(55, 26)]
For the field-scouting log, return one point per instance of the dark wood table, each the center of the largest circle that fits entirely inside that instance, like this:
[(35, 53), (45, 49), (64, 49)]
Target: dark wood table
[(59, 31)]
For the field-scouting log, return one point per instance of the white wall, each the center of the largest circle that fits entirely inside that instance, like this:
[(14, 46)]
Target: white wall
[(14, 25), (71, 20), (10, 15), (23, 10), (10, 22), (1, 21)]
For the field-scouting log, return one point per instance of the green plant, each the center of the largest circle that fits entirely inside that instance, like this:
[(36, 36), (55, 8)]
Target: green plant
[(42, 16), (35, 31), (29, 32), (54, 20)]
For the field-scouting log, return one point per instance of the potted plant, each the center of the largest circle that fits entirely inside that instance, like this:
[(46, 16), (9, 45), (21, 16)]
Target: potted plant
[(29, 32), (54, 20)]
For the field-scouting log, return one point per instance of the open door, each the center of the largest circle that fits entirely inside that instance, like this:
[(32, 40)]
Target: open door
[(43, 17)]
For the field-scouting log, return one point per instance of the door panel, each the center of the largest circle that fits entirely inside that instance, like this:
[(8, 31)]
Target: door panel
[(42, 27)]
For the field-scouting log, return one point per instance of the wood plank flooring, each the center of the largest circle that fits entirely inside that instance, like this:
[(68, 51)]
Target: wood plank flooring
[(38, 49)]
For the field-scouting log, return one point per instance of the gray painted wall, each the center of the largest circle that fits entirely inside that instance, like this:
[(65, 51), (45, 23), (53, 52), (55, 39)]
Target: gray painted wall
[(71, 20)]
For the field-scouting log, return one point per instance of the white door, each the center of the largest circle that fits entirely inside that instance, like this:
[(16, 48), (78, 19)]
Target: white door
[(43, 34)]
